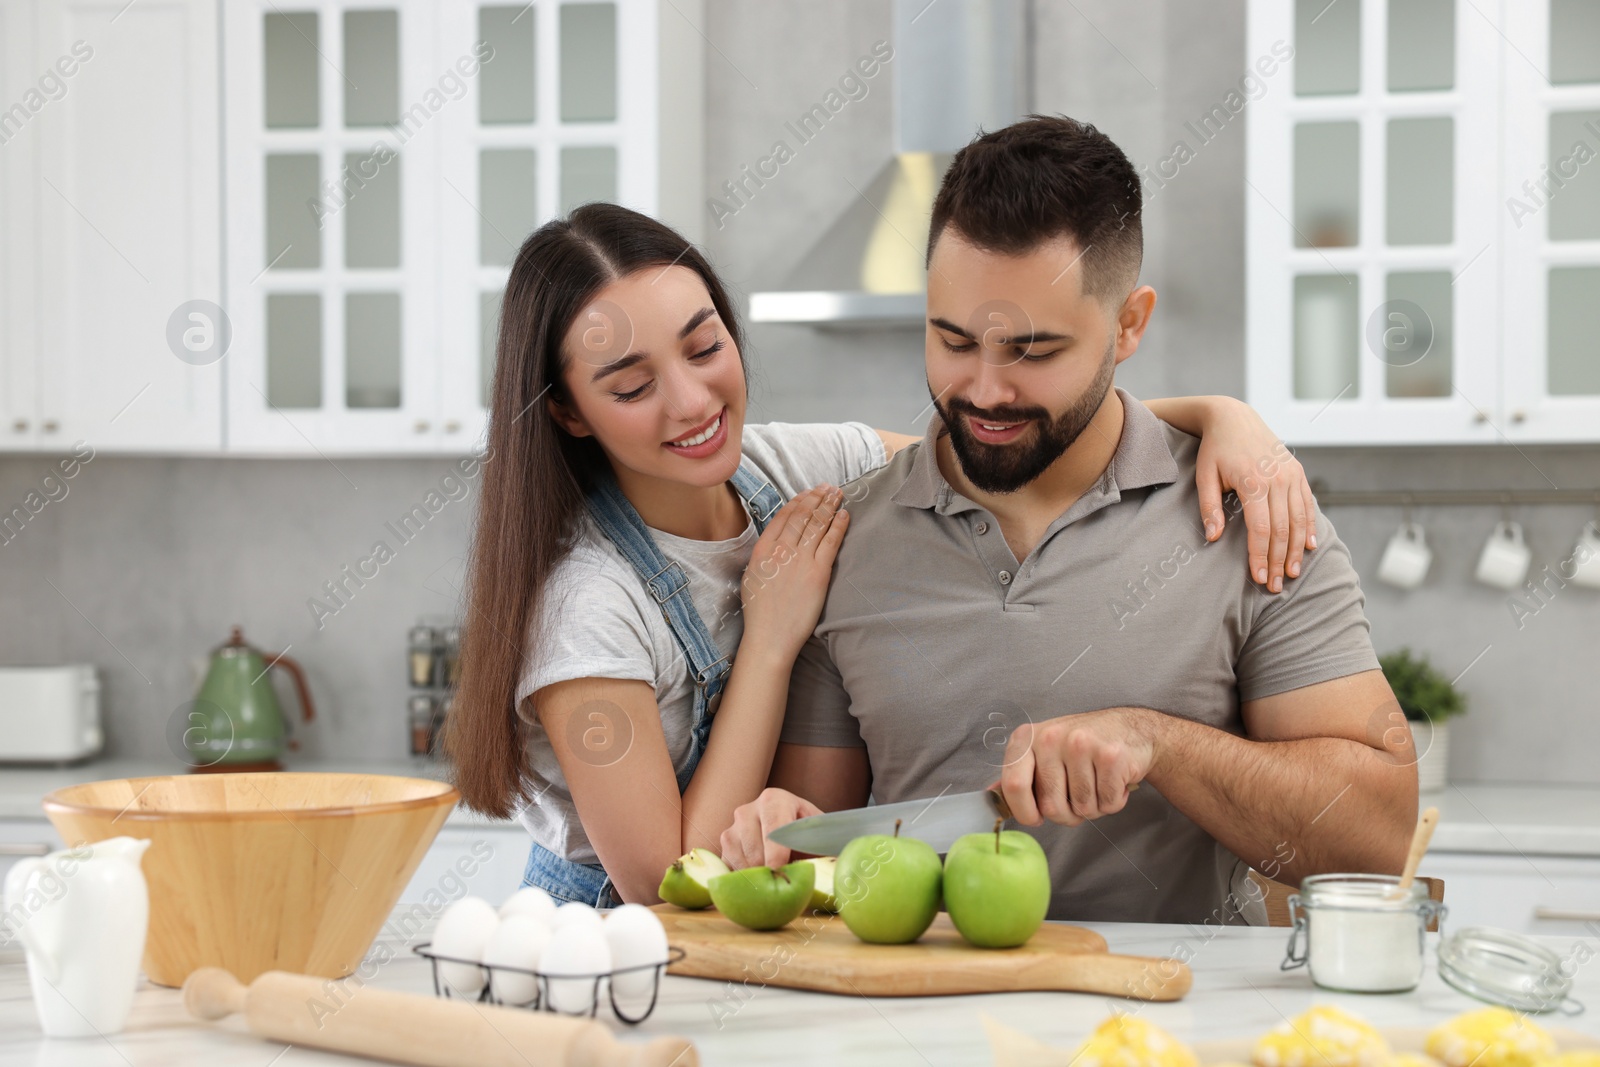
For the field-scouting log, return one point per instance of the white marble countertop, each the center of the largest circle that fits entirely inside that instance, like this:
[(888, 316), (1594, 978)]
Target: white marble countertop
[(1549, 820), (1552, 820), (22, 788), (1238, 992)]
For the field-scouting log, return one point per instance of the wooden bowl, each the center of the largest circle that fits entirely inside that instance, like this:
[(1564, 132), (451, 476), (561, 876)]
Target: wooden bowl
[(261, 872)]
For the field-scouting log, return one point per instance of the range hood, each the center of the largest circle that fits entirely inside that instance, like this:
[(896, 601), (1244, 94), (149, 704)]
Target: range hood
[(959, 66)]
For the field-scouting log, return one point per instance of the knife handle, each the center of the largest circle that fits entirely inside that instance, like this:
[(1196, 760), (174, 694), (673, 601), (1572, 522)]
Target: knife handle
[(1001, 808)]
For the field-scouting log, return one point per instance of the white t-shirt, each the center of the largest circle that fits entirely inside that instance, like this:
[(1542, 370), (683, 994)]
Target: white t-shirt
[(601, 621)]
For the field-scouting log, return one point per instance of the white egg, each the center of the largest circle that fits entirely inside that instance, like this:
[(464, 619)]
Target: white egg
[(463, 932), (530, 900), (576, 949), (518, 941), (635, 937), (575, 913)]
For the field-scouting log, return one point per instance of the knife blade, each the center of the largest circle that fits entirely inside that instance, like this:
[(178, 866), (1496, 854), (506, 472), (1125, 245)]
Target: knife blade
[(937, 820)]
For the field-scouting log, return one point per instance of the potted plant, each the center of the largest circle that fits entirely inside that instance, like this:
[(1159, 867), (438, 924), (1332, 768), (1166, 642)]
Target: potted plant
[(1425, 695)]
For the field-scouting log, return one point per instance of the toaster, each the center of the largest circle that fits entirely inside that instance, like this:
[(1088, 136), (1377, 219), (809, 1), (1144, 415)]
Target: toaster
[(49, 714)]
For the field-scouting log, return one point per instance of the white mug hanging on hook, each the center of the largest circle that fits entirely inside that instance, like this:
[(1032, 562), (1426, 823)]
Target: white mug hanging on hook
[(1586, 557), (1506, 557), (1407, 557)]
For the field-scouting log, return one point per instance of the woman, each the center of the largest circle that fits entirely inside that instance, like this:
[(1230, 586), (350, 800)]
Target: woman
[(633, 533)]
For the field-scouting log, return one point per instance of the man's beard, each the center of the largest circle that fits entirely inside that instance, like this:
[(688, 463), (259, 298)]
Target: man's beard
[(1007, 468)]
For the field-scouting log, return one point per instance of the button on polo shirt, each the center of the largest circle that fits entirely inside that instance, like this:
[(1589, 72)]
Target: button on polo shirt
[(936, 643)]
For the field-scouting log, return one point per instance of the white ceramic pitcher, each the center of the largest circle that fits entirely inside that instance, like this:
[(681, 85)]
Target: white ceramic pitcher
[(81, 915)]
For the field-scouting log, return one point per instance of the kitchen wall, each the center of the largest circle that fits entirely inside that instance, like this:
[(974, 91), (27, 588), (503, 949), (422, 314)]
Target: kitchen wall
[(145, 564), (1141, 70)]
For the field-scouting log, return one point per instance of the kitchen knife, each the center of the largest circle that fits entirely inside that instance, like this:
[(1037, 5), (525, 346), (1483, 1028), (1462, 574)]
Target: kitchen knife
[(937, 820)]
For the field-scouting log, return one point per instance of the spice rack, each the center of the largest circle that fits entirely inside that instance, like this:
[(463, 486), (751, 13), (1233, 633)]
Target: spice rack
[(433, 668)]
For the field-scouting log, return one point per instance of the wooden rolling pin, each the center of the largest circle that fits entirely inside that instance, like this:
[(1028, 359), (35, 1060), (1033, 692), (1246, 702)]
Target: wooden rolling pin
[(407, 1028)]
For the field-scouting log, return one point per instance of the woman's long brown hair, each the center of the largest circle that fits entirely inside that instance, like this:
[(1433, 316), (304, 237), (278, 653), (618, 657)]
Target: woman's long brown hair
[(535, 478)]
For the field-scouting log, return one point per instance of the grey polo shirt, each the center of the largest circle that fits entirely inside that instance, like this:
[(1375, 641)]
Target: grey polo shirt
[(936, 643)]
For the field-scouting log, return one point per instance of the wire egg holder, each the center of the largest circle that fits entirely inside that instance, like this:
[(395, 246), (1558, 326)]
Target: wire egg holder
[(542, 1001)]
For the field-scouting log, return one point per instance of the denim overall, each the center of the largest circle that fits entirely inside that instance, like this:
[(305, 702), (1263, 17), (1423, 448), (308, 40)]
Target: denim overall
[(617, 519)]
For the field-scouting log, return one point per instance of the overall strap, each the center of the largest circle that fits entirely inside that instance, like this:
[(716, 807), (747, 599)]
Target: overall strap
[(665, 579)]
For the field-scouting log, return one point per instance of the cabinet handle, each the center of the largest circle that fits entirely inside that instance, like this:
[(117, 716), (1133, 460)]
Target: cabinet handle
[(1561, 914), (452, 426), (37, 848), (1519, 416), (49, 426), (422, 425), (1480, 417), (20, 426)]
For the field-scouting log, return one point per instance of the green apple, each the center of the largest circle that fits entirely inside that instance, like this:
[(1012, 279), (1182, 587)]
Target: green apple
[(888, 887), (996, 887), (761, 898), (685, 883), (822, 898)]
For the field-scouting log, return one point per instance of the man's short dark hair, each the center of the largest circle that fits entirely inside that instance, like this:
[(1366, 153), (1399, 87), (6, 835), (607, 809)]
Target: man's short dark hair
[(1046, 177)]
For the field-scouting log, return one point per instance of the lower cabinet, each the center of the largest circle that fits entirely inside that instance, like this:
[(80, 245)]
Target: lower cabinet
[(20, 838), (480, 860), (1556, 895)]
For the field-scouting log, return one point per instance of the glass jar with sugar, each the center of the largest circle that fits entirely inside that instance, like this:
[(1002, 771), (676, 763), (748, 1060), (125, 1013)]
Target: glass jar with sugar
[(1362, 933)]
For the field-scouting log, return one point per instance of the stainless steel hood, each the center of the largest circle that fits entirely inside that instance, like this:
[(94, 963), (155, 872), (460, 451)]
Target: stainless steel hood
[(959, 66)]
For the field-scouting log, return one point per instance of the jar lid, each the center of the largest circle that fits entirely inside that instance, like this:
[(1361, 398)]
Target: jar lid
[(1505, 968)]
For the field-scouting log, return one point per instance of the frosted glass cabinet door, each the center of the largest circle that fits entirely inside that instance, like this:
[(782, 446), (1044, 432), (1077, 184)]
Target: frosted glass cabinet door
[(332, 146), (1552, 178), (571, 110), (1373, 219)]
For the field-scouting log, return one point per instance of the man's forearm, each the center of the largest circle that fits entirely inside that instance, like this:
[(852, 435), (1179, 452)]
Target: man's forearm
[(1288, 808)]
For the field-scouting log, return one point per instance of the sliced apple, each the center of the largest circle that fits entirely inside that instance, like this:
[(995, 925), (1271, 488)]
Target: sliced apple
[(760, 898), (687, 882), (822, 898)]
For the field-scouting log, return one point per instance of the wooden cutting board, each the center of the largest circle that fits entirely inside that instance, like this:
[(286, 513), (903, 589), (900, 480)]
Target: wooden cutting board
[(819, 953)]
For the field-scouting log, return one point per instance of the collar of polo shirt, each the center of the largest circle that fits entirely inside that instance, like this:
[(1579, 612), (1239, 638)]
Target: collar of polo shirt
[(1142, 459)]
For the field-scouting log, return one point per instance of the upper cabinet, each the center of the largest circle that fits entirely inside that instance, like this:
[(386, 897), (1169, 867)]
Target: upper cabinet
[(318, 267), (384, 163), (109, 210), (1423, 239)]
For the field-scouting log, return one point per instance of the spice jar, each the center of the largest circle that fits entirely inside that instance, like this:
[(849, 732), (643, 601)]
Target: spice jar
[(452, 656), (421, 713), (1362, 933), (419, 656)]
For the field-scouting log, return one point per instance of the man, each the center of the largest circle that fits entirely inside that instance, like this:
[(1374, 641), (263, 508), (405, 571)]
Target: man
[(1023, 597)]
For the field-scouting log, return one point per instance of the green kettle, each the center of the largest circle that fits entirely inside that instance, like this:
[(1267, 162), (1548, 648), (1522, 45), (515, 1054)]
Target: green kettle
[(235, 723)]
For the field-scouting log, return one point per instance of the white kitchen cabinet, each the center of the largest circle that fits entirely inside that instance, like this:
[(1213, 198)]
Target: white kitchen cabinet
[(17, 156), (384, 162), (1551, 222), (1396, 293), (126, 227), (1531, 894), (369, 179)]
